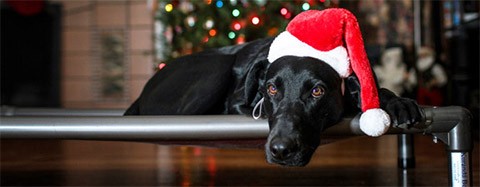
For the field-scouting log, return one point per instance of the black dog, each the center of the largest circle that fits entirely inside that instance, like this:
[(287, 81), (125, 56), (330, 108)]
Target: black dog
[(302, 95)]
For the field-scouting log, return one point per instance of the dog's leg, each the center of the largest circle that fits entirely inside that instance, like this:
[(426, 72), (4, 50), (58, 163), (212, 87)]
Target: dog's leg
[(404, 112)]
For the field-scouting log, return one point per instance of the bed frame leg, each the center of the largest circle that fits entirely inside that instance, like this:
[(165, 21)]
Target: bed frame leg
[(460, 166), (459, 145), (406, 154), (459, 149)]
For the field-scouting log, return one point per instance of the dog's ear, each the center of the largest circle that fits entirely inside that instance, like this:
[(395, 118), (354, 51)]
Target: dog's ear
[(249, 74), (248, 90), (262, 78)]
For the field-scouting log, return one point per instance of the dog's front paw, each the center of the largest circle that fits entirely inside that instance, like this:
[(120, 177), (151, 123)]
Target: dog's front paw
[(404, 112)]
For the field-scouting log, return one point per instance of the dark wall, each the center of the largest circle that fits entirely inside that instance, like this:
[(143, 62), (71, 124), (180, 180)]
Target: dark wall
[(30, 57)]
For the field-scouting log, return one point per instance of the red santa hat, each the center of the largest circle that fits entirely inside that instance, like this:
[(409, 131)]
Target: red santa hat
[(333, 36)]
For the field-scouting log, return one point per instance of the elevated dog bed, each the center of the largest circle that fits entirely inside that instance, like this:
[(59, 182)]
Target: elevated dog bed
[(450, 125)]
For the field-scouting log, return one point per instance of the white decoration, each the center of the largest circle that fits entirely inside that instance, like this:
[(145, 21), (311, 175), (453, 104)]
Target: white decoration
[(374, 122), (286, 44)]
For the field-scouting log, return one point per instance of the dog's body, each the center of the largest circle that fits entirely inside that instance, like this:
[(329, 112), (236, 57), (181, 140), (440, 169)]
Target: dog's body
[(302, 96), (216, 81)]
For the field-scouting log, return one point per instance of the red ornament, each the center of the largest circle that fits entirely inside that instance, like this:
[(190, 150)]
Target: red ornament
[(284, 11), (161, 66), (288, 15), (255, 20), (241, 39), (27, 7), (212, 32), (205, 39), (236, 25)]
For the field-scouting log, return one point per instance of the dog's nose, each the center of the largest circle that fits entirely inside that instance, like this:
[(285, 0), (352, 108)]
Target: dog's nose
[(282, 149)]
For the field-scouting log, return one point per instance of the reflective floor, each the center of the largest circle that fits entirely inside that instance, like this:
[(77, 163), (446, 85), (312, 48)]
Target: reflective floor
[(360, 161)]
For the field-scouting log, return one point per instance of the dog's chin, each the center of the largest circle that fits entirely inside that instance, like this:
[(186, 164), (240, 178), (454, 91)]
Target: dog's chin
[(300, 159)]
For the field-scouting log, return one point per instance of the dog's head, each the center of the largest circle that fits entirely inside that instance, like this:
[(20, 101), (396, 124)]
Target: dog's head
[(303, 96)]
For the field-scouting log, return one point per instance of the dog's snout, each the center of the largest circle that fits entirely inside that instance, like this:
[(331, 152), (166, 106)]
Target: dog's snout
[(282, 149)]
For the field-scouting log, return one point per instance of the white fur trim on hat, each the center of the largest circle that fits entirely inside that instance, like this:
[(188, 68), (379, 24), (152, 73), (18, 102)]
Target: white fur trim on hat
[(374, 122), (285, 44)]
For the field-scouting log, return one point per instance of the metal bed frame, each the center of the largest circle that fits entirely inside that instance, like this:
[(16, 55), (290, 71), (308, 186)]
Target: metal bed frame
[(450, 125)]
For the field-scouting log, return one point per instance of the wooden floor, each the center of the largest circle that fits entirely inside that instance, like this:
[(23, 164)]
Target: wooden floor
[(360, 161)]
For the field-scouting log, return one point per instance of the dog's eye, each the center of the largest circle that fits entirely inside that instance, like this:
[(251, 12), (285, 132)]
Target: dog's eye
[(317, 91), (272, 90)]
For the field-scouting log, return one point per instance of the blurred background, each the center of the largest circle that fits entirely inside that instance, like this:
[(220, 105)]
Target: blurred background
[(99, 54)]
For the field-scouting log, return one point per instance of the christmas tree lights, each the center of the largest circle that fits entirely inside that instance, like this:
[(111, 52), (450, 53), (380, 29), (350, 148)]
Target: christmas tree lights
[(194, 25)]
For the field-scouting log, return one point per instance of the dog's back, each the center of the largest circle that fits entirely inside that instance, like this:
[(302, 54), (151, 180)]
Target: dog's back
[(215, 81)]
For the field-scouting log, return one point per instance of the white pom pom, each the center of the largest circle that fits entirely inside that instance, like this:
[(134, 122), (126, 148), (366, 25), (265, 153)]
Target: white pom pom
[(374, 122)]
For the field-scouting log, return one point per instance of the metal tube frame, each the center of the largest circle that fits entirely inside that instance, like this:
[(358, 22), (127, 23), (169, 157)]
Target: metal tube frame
[(14, 111), (406, 153), (451, 125)]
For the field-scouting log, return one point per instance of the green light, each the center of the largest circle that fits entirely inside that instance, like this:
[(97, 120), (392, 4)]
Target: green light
[(306, 6), (235, 12), (231, 35)]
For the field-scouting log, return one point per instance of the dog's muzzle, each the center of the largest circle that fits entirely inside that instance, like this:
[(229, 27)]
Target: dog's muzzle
[(282, 149), (287, 151)]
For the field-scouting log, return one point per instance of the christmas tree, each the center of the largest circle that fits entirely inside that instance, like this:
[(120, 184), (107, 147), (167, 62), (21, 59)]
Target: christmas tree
[(193, 25)]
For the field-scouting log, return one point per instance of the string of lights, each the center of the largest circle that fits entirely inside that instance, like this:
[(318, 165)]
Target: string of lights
[(192, 25)]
